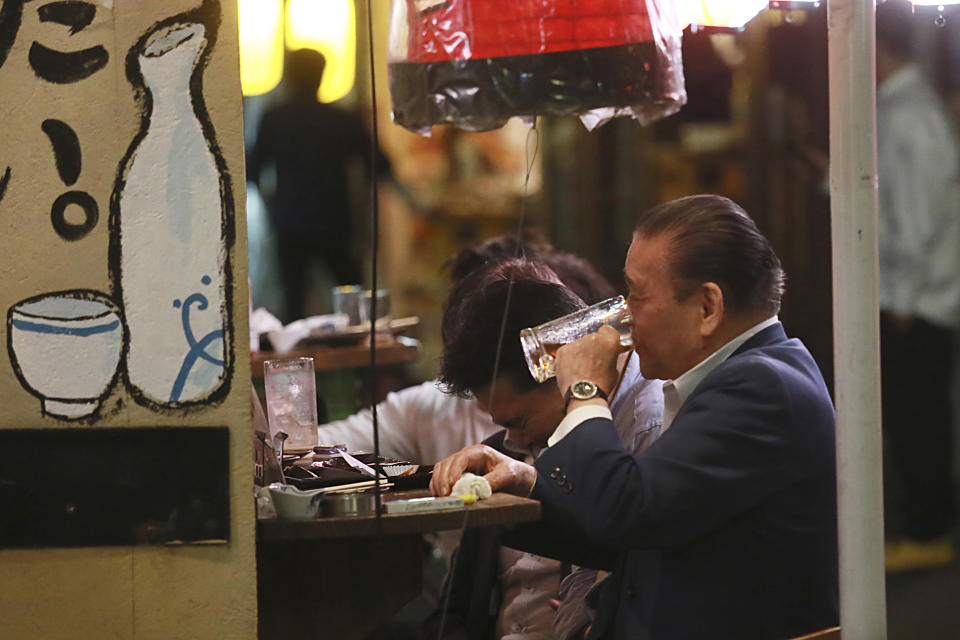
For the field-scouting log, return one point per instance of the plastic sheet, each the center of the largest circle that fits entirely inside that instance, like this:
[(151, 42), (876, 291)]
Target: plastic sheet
[(477, 63)]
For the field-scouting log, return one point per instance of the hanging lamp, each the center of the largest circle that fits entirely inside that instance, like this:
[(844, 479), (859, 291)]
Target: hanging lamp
[(727, 14), (477, 63), (260, 25), (330, 27)]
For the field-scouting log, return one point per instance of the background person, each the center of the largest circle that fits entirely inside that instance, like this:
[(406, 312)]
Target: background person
[(919, 241), (311, 146), (726, 527)]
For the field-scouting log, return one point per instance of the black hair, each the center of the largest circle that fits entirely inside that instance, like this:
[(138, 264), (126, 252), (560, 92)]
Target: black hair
[(714, 240), (477, 308), (575, 272), (895, 27), (497, 249), (304, 70), (580, 276)]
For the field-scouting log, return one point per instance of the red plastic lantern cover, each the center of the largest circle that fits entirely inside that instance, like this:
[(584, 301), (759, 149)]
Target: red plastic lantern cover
[(477, 63)]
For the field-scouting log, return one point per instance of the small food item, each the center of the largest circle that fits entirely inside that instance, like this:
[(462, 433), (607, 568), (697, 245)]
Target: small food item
[(471, 484), (399, 469)]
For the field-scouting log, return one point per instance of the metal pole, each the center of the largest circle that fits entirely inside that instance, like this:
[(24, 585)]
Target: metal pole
[(856, 331)]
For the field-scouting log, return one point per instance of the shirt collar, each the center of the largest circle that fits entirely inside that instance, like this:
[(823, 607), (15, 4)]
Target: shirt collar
[(901, 78), (675, 392)]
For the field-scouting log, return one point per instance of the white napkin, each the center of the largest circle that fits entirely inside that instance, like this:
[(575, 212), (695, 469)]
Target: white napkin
[(286, 338), (471, 484)]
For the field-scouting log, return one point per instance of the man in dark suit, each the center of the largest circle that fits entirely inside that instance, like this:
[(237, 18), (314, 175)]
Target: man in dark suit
[(725, 528)]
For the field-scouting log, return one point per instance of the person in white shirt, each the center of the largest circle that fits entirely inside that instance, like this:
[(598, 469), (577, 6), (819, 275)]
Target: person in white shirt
[(422, 424), (918, 162)]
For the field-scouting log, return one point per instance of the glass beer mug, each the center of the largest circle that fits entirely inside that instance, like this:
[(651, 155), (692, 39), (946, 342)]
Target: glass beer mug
[(540, 343)]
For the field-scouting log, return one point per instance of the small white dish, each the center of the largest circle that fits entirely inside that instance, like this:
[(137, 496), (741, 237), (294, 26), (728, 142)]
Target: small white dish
[(291, 503)]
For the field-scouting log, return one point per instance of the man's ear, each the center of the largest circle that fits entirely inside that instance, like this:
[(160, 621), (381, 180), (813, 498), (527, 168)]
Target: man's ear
[(711, 308)]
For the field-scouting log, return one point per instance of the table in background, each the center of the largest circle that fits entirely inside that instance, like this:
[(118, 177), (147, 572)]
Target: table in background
[(336, 578), (390, 351), (343, 372)]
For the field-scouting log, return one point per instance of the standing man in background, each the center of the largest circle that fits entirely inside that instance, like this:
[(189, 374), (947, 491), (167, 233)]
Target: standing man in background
[(919, 240), (312, 146)]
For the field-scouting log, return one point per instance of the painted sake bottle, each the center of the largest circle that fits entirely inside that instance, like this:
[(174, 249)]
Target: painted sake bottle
[(170, 212)]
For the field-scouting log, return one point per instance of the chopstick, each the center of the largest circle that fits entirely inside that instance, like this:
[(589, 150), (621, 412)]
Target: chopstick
[(355, 486)]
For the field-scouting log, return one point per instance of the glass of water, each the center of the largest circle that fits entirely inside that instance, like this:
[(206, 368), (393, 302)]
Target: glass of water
[(540, 343), (292, 401), (383, 306), (347, 299)]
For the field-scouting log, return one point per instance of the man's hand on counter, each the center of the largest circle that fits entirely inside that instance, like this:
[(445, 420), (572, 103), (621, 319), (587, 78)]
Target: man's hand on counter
[(502, 472)]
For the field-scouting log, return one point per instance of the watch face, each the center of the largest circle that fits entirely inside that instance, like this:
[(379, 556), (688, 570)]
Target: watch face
[(584, 389)]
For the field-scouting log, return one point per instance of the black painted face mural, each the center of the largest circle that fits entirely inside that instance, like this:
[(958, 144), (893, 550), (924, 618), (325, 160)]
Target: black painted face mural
[(61, 67), (68, 157), (4, 181), (11, 14), (65, 67)]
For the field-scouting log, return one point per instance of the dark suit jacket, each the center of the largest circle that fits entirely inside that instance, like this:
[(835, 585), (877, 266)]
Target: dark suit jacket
[(726, 527)]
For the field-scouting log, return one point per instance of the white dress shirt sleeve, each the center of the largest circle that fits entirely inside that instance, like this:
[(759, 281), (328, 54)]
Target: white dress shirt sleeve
[(575, 418), (420, 424)]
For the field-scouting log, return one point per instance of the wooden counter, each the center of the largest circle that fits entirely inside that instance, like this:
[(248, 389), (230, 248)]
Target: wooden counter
[(500, 508), (334, 578), (333, 358)]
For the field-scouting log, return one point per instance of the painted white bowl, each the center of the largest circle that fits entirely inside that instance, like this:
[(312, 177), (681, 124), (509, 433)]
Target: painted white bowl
[(65, 349), (293, 504)]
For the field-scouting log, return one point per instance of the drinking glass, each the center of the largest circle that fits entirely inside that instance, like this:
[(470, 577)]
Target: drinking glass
[(292, 401), (346, 299), (540, 343), (383, 305)]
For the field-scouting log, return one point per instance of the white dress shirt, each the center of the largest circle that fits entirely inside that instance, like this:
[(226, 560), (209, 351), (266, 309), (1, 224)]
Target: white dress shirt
[(918, 166), (420, 424)]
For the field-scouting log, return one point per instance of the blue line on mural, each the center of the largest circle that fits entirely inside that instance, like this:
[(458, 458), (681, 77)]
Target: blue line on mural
[(69, 331), (191, 359), (72, 13), (197, 348), (201, 301)]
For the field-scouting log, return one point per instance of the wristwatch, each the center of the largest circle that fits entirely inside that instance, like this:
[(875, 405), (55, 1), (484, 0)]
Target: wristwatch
[(582, 390)]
